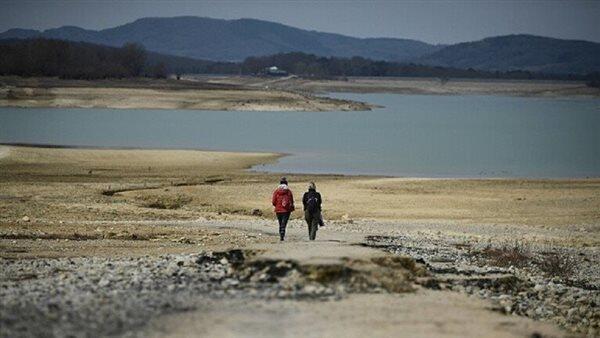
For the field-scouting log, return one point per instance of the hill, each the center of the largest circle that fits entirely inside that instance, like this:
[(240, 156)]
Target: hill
[(233, 40), (520, 52)]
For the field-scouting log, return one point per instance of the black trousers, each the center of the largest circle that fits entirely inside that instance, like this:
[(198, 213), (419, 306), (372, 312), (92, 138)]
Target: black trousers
[(283, 218), (312, 220)]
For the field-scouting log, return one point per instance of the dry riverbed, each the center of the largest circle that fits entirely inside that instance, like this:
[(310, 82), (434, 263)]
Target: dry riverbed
[(181, 243)]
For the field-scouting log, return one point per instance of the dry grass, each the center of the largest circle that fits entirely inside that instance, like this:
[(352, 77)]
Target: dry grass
[(516, 255), (557, 264), (553, 264)]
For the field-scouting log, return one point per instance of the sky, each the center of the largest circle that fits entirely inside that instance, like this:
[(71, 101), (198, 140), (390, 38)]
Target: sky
[(441, 21)]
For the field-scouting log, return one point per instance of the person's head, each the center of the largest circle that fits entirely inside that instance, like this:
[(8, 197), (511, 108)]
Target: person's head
[(283, 180), (312, 186)]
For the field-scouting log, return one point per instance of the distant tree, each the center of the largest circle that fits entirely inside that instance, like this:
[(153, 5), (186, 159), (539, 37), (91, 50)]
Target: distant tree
[(158, 71), (593, 80), (133, 58)]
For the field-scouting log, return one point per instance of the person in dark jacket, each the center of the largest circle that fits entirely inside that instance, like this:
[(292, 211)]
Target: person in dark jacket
[(283, 201), (312, 210)]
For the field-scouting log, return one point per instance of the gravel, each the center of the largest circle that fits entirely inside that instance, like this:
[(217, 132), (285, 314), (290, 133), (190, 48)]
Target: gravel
[(85, 297), (572, 301)]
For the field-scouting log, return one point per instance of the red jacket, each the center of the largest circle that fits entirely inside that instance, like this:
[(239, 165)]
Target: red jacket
[(283, 199)]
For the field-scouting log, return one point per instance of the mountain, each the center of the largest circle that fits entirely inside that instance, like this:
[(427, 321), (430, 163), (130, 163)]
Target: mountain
[(233, 40), (520, 52)]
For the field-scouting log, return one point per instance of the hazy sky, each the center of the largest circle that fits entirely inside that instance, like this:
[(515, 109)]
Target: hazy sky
[(442, 21)]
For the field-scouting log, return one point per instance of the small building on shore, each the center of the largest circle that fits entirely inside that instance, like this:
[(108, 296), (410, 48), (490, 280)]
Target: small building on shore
[(274, 71)]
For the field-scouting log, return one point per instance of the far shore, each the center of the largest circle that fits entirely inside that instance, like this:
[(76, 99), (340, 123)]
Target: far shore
[(414, 86), (160, 94), (247, 93)]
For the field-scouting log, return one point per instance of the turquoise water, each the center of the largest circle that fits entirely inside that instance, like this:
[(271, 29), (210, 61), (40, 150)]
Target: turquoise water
[(414, 135)]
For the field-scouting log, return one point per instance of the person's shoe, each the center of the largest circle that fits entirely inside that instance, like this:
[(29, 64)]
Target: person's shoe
[(281, 239)]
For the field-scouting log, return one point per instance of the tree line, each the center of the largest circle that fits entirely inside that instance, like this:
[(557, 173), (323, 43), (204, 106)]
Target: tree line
[(79, 60), (309, 65), (73, 60)]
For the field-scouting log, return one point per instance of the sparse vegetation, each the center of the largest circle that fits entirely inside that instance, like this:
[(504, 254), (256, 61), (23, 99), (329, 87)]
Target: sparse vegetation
[(557, 264), (553, 264), (516, 255)]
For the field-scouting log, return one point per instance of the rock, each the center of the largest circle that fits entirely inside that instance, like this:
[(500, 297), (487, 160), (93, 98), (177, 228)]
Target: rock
[(25, 219), (257, 212), (346, 218), (103, 282), (310, 289)]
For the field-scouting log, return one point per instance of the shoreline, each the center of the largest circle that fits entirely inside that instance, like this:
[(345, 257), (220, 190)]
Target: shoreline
[(161, 94), (228, 93), (279, 155)]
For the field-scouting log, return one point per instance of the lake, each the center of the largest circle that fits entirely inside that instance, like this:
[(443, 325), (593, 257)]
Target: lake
[(413, 135)]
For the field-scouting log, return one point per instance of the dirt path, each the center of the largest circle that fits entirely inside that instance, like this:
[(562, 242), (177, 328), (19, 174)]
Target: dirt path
[(418, 313), (425, 313)]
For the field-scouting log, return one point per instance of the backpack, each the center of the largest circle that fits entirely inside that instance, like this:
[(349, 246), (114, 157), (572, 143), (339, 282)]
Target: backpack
[(312, 204)]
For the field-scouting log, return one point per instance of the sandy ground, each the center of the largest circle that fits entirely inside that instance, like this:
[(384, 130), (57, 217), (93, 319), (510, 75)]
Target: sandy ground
[(164, 94), (126, 203), (70, 185), (421, 314), (426, 86), (4, 151)]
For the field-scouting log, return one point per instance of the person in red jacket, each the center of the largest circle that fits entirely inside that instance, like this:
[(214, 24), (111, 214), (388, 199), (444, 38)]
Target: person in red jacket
[(283, 201)]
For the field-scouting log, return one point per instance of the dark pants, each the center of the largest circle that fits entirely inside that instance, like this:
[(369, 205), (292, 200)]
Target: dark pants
[(312, 219), (283, 218)]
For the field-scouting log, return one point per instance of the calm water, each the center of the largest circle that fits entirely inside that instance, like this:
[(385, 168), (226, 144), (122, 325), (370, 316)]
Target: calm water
[(414, 135)]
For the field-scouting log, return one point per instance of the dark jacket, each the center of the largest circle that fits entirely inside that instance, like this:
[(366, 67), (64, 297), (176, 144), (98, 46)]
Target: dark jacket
[(311, 193)]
